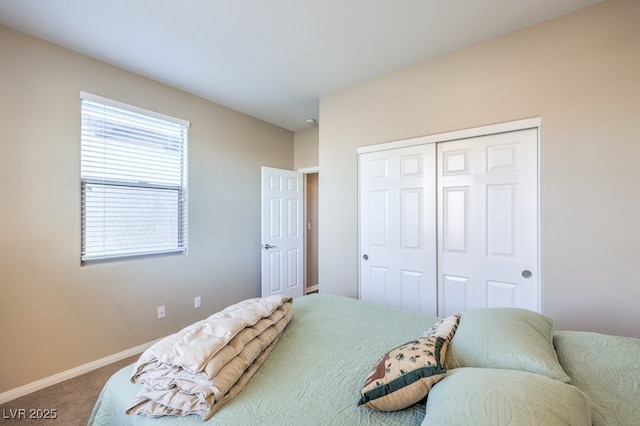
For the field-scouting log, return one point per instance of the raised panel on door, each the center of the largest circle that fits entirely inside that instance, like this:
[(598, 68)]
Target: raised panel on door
[(275, 218), (378, 223), (487, 189), (275, 271), (415, 293), (411, 205), (293, 217), (454, 294), (397, 228), (455, 219), (500, 294), (502, 208), (294, 274), (376, 287)]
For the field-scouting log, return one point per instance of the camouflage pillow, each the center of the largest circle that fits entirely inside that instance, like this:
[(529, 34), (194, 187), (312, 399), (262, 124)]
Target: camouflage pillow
[(404, 375), (445, 328)]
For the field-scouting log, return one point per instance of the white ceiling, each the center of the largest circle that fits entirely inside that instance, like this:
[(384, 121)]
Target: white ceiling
[(272, 59)]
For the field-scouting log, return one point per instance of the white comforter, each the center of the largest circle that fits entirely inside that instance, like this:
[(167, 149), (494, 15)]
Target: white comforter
[(204, 365)]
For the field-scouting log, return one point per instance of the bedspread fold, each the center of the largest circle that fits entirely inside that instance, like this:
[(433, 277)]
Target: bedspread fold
[(201, 367)]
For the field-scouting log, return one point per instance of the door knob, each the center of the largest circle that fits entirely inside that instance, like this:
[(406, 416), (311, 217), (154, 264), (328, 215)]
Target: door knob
[(365, 256), (526, 273), (267, 246)]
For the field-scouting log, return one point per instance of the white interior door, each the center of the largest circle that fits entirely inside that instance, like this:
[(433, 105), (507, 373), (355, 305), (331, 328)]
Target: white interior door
[(488, 223), (282, 232), (397, 230)]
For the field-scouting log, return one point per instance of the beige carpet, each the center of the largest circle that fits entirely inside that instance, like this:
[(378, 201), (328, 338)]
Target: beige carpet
[(72, 400)]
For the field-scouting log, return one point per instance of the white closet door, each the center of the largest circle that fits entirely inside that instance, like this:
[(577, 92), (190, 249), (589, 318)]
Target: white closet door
[(397, 228), (488, 224)]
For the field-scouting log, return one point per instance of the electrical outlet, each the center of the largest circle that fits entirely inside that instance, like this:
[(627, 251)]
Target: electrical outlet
[(196, 302), (161, 311)]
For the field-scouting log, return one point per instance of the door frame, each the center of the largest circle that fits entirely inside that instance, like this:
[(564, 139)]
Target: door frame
[(306, 171), (509, 126)]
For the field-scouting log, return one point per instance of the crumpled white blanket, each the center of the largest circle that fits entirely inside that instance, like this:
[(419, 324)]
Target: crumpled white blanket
[(204, 365)]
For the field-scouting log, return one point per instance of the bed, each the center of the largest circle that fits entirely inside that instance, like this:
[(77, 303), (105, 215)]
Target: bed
[(498, 368)]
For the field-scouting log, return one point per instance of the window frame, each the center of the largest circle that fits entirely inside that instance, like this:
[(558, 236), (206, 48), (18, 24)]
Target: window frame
[(123, 253)]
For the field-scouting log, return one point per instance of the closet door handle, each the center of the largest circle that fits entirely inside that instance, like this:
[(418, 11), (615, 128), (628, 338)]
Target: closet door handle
[(365, 256), (527, 273), (267, 246)]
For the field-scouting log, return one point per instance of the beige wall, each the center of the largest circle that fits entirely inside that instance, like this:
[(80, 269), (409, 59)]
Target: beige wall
[(56, 315), (581, 74), (305, 148)]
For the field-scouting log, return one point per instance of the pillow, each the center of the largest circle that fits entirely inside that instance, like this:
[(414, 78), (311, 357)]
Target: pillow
[(491, 397), (445, 328), (506, 338), (404, 375)]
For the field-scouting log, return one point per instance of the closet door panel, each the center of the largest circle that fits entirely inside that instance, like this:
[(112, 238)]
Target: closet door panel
[(490, 234), (397, 228)]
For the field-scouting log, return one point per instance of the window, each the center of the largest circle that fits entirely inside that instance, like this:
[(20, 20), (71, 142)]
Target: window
[(133, 181)]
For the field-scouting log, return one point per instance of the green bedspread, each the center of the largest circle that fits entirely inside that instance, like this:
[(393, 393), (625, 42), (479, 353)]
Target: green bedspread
[(315, 374), (607, 369), (312, 377)]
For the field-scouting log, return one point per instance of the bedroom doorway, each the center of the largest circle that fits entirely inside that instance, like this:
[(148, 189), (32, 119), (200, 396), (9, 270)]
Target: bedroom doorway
[(312, 181), (464, 207)]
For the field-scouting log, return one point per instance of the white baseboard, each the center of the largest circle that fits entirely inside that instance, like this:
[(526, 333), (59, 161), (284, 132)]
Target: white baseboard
[(311, 288), (69, 374)]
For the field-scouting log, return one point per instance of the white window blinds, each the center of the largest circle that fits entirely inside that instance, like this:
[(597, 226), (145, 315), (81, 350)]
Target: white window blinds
[(133, 181)]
